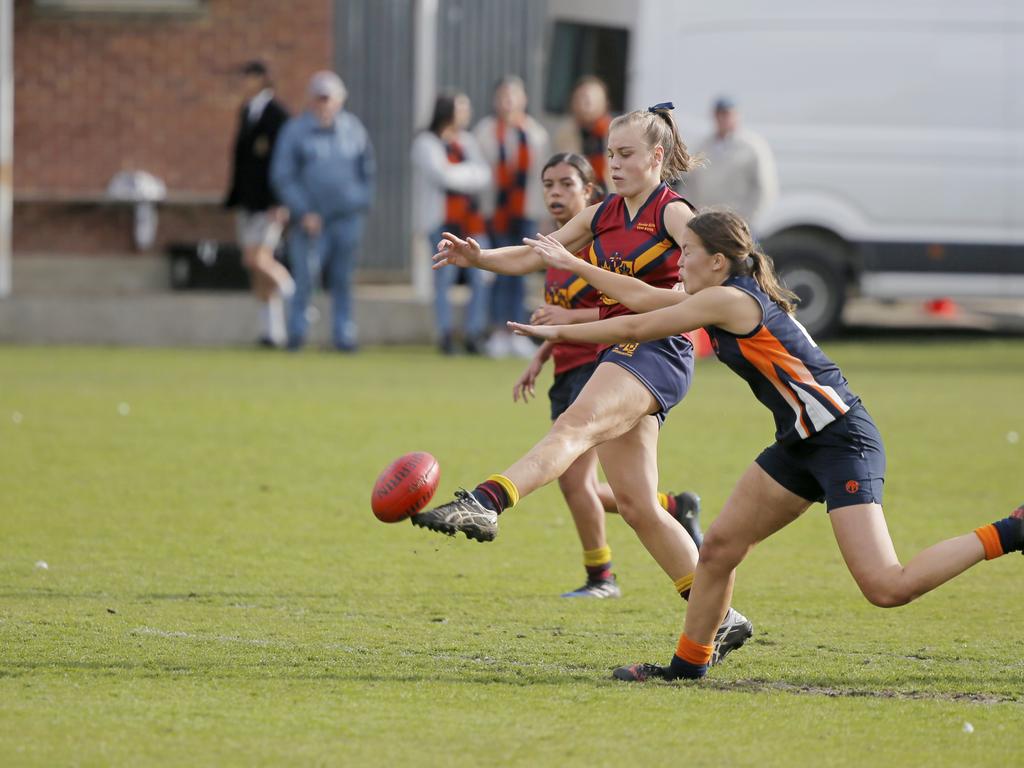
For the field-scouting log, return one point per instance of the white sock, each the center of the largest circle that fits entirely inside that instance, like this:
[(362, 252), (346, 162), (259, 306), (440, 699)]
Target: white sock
[(275, 320), (287, 287)]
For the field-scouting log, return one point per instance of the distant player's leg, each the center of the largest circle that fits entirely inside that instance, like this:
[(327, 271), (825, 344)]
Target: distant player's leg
[(867, 548), (579, 488), (684, 507), (611, 403), (630, 463)]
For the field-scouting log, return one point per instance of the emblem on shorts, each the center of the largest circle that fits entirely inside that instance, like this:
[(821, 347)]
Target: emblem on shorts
[(627, 349), (852, 486)]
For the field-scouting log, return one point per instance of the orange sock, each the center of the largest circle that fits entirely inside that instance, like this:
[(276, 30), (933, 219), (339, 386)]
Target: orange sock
[(694, 653), (990, 541)]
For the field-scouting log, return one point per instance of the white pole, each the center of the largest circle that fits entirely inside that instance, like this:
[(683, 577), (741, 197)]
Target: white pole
[(425, 89), (6, 140)]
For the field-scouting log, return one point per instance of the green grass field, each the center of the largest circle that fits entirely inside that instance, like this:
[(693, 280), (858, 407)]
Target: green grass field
[(218, 592)]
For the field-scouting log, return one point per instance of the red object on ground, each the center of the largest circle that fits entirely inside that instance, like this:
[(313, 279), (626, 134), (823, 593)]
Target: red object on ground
[(941, 307)]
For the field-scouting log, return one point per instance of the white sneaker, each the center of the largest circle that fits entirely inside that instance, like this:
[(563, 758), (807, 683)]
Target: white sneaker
[(499, 345), (521, 346)]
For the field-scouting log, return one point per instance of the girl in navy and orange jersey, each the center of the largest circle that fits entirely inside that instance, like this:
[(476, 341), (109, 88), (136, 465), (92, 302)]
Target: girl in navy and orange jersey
[(635, 231), (569, 186), (826, 446)]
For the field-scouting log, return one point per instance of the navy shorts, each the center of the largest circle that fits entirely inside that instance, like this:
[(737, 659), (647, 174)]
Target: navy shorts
[(844, 464), (567, 387), (664, 366)]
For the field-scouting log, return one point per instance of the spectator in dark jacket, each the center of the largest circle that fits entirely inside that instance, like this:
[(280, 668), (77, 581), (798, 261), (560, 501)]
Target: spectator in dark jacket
[(323, 170), (260, 218)]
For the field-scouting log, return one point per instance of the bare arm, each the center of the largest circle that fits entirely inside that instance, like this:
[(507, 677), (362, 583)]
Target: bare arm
[(725, 307), (513, 259), (634, 293), (550, 314)]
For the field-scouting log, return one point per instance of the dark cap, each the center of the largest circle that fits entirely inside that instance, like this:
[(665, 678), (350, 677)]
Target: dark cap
[(254, 67), (724, 104)]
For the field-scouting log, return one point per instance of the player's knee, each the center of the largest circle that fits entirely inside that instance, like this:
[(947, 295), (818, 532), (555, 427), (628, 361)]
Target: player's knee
[(576, 488), (718, 552), (576, 426), (634, 510)]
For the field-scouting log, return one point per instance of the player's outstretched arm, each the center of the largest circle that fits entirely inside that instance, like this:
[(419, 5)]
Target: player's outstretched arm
[(634, 293), (513, 259), (709, 307)]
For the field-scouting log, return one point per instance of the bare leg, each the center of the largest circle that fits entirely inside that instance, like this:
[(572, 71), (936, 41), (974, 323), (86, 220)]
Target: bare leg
[(630, 463), (262, 284), (607, 497), (611, 404), (864, 540), (757, 507), (267, 271), (578, 485)]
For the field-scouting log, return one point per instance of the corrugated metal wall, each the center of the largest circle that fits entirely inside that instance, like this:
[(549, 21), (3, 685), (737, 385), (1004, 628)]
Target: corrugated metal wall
[(373, 53), (478, 41), (481, 40)]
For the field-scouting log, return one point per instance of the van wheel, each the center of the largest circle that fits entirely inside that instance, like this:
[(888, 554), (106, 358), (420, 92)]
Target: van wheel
[(812, 268)]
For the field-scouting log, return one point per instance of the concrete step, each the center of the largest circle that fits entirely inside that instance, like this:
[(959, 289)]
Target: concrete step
[(385, 315)]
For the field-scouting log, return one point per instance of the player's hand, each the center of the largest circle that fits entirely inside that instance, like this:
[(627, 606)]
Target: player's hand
[(456, 251), (279, 214), (552, 252), (524, 386), (546, 332), (551, 314)]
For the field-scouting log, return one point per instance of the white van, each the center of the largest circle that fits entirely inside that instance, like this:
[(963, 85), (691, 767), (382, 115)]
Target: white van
[(898, 129)]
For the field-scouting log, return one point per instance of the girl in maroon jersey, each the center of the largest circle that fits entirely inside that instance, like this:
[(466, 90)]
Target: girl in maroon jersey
[(570, 186), (622, 406), (826, 446)]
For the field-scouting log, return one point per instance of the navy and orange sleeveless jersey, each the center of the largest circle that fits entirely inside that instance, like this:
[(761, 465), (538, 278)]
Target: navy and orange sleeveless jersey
[(566, 289), (639, 247), (785, 369)]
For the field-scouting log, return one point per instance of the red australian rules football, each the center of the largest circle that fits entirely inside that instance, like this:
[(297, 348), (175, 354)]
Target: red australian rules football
[(405, 486)]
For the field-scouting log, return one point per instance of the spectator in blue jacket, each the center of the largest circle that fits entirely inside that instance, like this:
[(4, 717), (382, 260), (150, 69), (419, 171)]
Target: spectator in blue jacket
[(323, 171)]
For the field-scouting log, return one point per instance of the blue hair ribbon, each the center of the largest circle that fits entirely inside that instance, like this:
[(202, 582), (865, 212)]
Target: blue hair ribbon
[(662, 105)]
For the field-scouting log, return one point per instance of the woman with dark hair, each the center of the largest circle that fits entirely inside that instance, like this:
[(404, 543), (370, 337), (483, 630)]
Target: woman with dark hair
[(623, 404), (569, 187), (826, 446), (448, 173)]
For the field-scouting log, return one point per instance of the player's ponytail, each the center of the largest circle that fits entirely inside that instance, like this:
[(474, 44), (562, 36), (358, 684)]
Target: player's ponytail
[(762, 269), (726, 233), (659, 129)]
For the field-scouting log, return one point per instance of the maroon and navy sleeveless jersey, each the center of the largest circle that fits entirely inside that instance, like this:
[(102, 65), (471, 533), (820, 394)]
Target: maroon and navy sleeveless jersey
[(785, 369), (639, 247), (567, 289)]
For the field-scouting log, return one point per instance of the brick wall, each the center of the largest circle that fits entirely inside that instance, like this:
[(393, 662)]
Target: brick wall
[(96, 93)]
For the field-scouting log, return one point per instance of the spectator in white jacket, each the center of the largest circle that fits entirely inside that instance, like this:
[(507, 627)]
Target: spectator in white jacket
[(739, 171), (448, 174), (516, 147)]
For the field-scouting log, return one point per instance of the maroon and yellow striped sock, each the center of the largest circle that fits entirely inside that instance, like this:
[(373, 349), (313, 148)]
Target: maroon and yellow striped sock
[(497, 493), (598, 563)]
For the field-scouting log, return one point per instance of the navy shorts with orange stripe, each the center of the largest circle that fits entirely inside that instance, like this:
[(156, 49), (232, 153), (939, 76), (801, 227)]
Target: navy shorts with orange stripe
[(842, 465), (664, 366)]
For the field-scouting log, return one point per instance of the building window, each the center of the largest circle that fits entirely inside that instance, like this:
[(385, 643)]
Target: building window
[(121, 6), (585, 49)]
